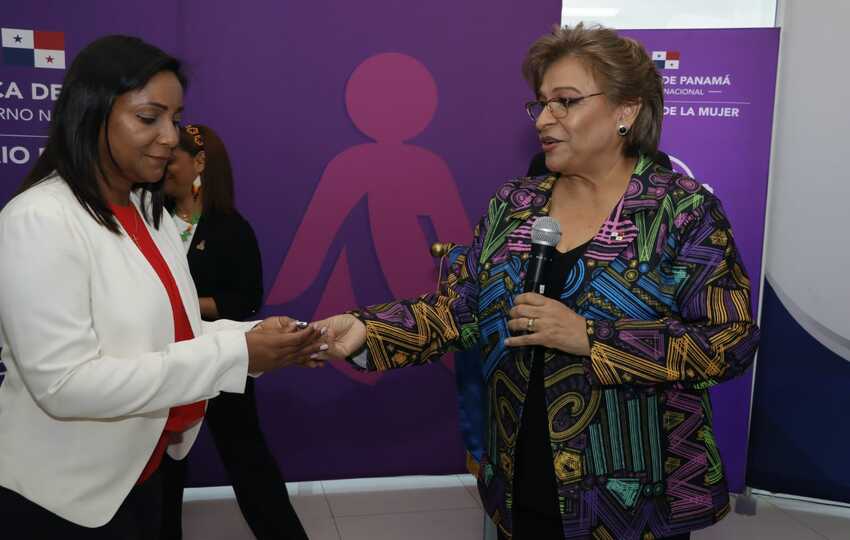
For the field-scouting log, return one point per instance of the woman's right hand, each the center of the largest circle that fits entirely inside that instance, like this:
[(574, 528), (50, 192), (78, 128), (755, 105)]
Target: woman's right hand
[(279, 343)]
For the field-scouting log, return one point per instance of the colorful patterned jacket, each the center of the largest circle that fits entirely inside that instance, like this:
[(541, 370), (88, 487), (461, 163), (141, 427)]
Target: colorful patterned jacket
[(667, 303)]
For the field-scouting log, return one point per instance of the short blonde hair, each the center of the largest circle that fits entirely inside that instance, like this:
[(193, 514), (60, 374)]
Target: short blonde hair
[(620, 65)]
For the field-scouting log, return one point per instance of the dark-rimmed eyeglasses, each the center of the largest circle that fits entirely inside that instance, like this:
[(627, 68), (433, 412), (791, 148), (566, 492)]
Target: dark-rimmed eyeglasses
[(558, 106)]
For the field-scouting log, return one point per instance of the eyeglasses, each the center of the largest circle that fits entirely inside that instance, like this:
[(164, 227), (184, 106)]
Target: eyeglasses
[(559, 106)]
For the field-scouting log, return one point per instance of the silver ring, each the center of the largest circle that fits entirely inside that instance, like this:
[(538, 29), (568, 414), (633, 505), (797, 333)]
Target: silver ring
[(530, 326)]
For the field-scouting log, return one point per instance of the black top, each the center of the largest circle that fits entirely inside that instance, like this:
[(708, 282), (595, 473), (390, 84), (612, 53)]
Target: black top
[(225, 263), (535, 488)]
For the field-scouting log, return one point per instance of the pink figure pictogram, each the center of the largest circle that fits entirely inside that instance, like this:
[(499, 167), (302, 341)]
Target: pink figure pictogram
[(391, 98)]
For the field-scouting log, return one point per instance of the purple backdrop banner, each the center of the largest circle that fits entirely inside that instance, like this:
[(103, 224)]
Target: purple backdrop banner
[(719, 88), (362, 132), (28, 93)]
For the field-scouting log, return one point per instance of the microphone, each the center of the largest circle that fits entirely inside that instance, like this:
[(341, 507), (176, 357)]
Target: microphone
[(545, 235)]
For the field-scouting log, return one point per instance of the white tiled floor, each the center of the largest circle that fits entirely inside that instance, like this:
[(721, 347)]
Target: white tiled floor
[(448, 508)]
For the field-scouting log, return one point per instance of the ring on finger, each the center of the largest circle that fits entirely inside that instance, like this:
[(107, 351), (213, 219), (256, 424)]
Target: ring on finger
[(530, 326)]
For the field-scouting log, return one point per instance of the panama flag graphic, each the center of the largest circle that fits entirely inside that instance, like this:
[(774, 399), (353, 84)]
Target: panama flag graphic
[(33, 48), (666, 59)]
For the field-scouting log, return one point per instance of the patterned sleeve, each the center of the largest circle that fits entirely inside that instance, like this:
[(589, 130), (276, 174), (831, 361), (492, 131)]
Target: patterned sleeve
[(712, 339), (410, 332)]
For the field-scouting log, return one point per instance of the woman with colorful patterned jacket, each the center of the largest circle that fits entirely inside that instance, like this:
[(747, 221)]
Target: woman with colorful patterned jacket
[(606, 434)]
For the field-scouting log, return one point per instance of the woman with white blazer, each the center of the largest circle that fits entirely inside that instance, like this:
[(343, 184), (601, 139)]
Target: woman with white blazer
[(108, 361)]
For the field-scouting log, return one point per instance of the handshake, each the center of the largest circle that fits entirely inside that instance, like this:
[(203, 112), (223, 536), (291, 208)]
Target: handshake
[(281, 341)]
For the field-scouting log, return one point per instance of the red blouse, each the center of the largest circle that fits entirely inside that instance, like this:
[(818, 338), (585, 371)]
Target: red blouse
[(180, 418)]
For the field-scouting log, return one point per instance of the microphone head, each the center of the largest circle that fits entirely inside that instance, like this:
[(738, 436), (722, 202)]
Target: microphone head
[(546, 230)]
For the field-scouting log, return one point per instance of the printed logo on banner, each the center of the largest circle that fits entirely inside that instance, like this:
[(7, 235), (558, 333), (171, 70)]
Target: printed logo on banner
[(702, 94), (390, 98), (33, 48), (27, 95), (666, 59)]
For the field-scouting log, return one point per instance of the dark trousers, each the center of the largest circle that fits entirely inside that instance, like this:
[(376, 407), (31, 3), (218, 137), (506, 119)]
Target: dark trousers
[(260, 489), (530, 525), (138, 518)]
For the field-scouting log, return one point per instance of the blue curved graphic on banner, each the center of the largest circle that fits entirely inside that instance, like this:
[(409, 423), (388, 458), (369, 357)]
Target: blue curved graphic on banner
[(799, 435)]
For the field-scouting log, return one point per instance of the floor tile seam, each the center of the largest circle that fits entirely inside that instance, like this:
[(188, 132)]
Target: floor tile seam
[(411, 512)]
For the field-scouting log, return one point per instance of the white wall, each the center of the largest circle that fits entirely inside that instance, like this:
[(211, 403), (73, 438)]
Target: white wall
[(671, 13), (808, 235)]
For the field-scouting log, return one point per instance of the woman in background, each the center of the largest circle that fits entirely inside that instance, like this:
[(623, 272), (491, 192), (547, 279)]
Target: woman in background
[(225, 264)]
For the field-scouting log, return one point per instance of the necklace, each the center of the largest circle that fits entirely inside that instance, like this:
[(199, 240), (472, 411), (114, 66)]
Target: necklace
[(190, 221), (132, 235), (133, 230)]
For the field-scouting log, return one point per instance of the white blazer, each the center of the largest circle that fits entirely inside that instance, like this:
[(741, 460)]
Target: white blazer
[(92, 367)]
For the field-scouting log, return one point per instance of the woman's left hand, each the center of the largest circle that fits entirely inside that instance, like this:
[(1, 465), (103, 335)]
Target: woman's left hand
[(552, 325)]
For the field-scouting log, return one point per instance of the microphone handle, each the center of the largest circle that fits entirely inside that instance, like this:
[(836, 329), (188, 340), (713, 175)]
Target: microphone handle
[(541, 256)]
